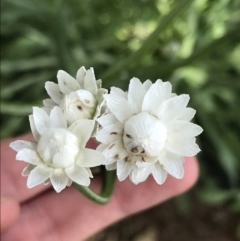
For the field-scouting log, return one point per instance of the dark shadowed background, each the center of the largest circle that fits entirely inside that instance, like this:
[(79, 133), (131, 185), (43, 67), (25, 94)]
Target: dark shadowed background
[(194, 44)]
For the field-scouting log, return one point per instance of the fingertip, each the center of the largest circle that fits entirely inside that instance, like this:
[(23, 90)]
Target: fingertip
[(10, 210), (191, 167), (191, 170)]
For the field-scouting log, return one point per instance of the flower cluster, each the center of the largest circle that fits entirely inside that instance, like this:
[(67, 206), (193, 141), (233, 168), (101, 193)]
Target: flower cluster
[(80, 98), (61, 130), (147, 131), (144, 131)]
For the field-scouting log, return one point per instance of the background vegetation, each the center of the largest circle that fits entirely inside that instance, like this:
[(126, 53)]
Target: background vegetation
[(194, 44)]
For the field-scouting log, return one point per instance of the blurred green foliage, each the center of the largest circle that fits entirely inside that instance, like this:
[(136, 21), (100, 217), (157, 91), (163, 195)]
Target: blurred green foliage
[(193, 44)]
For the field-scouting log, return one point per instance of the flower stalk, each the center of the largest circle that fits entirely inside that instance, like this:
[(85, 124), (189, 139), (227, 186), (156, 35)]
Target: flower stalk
[(108, 184)]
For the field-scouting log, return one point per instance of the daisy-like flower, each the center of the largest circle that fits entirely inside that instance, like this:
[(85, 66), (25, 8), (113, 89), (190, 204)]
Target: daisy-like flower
[(59, 155), (147, 131), (80, 98)]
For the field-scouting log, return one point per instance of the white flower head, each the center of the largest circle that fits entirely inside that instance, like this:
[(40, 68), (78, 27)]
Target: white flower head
[(147, 131), (80, 98), (59, 155)]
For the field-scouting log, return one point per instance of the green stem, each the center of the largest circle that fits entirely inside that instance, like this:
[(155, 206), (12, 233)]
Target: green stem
[(109, 178), (149, 42)]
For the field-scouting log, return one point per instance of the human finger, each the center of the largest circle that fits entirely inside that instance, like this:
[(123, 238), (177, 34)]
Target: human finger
[(70, 216), (10, 210)]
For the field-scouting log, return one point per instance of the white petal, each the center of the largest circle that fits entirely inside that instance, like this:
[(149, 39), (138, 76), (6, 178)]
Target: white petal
[(33, 128), (119, 107), (65, 158), (118, 92), (111, 166), (123, 169), (142, 164), (57, 118), (106, 120), (86, 98), (90, 82), (184, 128), (115, 150), (159, 174), (173, 164), (136, 94), (89, 172), (101, 147), (145, 161), (172, 108), (46, 182), (41, 120), (80, 76), (66, 82), (110, 133), (167, 89), (26, 171), (54, 91), (69, 182), (90, 158), (110, 161), (182, 146), (38, 175), (74, 109), (139, 174), (146, 132), (99, 83), (155, 96), (95, 116), (49, 103), (187, 114), (47, 110), (59, 179), (151, 159), (29, 156), (83, 130), (147, 84), (79, 175), (19, 145), (101, 96), (101, 103)]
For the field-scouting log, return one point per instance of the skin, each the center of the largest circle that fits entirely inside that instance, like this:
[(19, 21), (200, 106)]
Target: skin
[(42, 214)]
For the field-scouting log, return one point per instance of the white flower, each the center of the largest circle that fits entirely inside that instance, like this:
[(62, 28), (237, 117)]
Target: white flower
[(147, 131), (80, 98), (59, 155)]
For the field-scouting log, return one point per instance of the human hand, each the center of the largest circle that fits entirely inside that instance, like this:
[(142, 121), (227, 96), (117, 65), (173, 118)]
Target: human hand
[(45, 215)]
